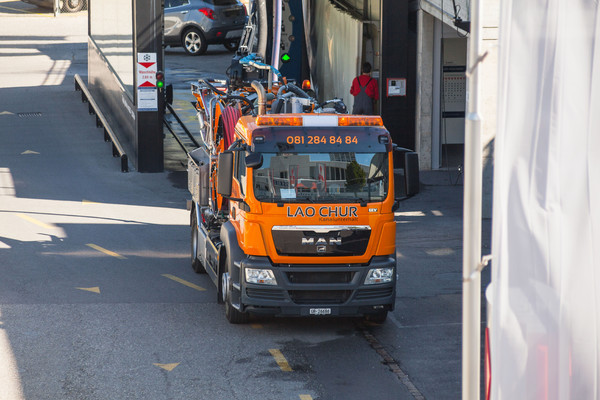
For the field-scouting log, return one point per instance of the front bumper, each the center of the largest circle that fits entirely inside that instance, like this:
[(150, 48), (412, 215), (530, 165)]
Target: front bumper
[(325, 289)]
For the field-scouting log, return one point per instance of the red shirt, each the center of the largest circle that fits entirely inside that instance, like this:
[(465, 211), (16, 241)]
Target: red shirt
[(372, 88)]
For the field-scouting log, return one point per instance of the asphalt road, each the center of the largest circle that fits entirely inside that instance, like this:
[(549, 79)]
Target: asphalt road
[(97, 296)]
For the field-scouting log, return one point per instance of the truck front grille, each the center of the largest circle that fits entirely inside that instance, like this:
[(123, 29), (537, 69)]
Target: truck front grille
[(320, 296), (320, 277), (322, 241)]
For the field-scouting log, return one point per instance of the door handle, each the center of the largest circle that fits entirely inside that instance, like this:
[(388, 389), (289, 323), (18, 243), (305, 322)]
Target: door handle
[(183, 12)]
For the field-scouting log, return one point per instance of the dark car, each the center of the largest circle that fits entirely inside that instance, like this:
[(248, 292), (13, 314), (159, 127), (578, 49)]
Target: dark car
[(194, 24), (64, 5)]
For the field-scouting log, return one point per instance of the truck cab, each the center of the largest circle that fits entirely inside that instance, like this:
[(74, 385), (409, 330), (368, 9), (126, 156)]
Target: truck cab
[(300, 220)]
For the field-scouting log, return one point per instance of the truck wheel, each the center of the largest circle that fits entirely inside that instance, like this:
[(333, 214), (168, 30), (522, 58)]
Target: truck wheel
[(231, 313), (196, 264), (377, 318)]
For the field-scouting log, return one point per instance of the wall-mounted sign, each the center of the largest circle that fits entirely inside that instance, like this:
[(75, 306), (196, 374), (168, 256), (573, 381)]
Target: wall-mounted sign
[(147, 93), (396, 87)]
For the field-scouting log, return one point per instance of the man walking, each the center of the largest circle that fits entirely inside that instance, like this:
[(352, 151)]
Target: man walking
[(365, 91)]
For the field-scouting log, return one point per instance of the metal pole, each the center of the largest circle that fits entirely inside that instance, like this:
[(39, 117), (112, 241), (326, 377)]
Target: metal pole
[(276, 37), (471, 334)]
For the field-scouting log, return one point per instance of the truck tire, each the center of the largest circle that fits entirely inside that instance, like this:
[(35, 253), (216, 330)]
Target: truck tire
[(231, 313), (196, 264)]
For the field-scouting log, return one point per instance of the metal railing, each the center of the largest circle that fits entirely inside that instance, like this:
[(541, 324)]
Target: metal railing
[(101, 122)]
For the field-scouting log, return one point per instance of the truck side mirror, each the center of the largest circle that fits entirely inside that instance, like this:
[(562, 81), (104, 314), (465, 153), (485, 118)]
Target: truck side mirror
[(225, 173), (411, 173), (408, 160), (254, 160), (169, 94)]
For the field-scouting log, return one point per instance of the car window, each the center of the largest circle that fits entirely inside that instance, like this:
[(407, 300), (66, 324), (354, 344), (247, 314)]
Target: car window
[(176, 3), (222, 2)]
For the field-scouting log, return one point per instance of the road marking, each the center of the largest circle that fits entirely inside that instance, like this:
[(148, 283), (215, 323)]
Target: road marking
[(409, 214), (440, 252), (183, 282), (16, 9), (6, 112), (27, 12), (168, 367), (306, 397), (256, 326), (35, 221), (29, 152), (95, 289), (280, 360), (84, 201), (107, 252)]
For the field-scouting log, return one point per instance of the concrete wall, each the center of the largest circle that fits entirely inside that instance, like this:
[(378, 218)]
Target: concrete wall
[(425, 95)]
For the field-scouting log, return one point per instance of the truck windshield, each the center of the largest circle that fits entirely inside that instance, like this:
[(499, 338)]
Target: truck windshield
[(322, 177)]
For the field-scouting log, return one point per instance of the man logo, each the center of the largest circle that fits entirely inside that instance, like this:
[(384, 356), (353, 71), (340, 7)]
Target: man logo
[(321, 241)]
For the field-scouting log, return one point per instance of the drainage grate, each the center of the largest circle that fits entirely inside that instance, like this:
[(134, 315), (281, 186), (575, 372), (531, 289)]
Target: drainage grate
[(29, 114)]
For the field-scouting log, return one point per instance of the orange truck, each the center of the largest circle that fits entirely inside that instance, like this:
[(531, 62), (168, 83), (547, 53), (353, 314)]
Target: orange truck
[(292, 210)]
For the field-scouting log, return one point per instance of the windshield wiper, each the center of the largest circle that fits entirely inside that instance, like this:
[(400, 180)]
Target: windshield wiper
[(363, 202)]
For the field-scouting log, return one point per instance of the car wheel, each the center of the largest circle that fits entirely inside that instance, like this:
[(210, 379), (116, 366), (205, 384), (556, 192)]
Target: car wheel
[(232, 45), (72, 5), (193, 42)]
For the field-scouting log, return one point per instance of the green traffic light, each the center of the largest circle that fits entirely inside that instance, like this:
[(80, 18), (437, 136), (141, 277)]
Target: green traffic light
[(160, 84), (286, 57)]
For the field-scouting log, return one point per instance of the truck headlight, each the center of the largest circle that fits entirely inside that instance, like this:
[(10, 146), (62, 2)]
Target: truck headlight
[(260, 276), (379, 275)]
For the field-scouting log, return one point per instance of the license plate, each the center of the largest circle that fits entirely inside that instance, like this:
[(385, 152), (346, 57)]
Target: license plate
[(234, 34), (320, 311)]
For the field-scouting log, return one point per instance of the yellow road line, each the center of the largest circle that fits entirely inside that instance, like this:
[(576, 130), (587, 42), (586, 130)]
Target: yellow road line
[(35, 221), (256, 326), (184, 282), (107, 252), (94, 289), (306, 397), (16, 9), (280, 360), (167, 367), (22, 11)]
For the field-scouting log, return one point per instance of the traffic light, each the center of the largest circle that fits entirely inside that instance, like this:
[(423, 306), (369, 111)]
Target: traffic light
[(160, 79), (285, 58)]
